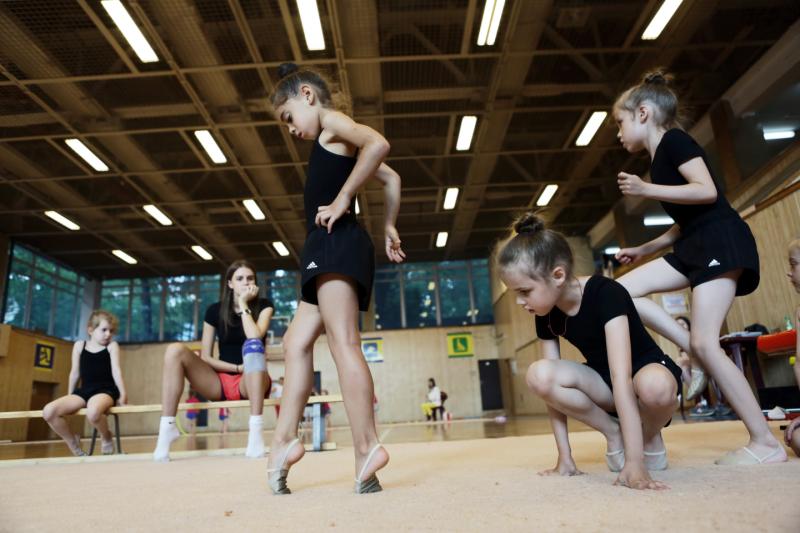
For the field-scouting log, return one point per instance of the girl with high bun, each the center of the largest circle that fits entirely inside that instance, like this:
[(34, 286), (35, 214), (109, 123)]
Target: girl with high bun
[(713, 251), (625, 370), (337, 264)]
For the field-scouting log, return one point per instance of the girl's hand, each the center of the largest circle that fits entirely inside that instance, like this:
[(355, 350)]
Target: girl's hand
[(123, 399), (787, 435), (327, 215), (250, 292), (564, 467), (637, 477), (393, 250), (629, 255), (631, 184)]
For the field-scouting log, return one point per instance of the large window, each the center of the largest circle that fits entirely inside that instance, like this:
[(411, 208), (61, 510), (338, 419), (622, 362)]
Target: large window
[(283, 288), (413, 295), (160, 309), (42, 295), (451, 293)]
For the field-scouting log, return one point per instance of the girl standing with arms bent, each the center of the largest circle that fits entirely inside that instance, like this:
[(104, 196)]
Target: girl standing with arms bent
[(338, 263), (714, 251)]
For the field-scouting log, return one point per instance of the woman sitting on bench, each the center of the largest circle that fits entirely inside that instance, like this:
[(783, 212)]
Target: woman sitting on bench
[(239, 322), (96, 363)]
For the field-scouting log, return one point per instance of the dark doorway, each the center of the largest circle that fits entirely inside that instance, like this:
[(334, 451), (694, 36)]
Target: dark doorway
[(491, 393), (42, 393)]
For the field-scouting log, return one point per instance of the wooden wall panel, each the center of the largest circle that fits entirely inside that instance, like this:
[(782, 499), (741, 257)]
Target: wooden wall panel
[(17, 375), (773, 228)]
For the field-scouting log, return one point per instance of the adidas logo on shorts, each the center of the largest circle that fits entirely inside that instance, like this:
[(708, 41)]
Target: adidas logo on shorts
[(714, 263), (311, 265)]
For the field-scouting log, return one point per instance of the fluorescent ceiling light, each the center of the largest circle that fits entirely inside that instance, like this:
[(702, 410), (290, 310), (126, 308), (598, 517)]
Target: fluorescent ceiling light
[(202, 252), (130, 30), (441, 239), (778, 134), (254, 210), (490, 22), (210, 146), (358, 207), (450, 198), (465, 132), (281, 248), (660, 19), (591, 127), (87, 155), (157, 214), (312, 26), (611, 250), (547, 195), (125, 257), (61, 219), (660, 220)]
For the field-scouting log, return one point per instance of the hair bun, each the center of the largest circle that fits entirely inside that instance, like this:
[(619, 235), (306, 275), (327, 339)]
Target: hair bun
[(657, 77), (528, 224), (285, 69)]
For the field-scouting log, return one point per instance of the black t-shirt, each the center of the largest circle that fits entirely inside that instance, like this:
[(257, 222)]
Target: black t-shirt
[(232, 339), (676, 148), (603, 299)]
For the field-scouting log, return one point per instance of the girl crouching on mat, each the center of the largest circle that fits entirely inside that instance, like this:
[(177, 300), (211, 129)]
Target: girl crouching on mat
[(240, 323), (625, 371), (338, 265), (96, 364)]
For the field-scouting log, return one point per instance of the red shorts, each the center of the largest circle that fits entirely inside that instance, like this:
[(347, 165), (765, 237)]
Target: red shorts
[(230, 386)]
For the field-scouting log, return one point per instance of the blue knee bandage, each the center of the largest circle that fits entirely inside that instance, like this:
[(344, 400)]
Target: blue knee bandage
[(253, 356)]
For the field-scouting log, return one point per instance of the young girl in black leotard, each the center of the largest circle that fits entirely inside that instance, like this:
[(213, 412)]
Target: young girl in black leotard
[(713, 250), (625, 371), (337, 263), (96, 364)]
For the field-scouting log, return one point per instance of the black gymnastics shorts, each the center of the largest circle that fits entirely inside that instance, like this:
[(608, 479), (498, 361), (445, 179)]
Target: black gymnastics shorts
[(640, 362), (709, 248), (347, 250), (88, 392)]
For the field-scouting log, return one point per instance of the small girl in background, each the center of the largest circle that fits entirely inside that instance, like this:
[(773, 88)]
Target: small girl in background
[(713, 249), (792, 435), (625, 370), (96, 364)]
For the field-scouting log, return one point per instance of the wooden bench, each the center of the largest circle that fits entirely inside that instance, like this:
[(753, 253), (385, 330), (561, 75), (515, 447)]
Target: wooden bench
[(318, 425)]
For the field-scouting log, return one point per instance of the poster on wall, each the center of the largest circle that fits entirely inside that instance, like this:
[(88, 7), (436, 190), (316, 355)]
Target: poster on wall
[(460, 345), (373, 349), (44, 356)]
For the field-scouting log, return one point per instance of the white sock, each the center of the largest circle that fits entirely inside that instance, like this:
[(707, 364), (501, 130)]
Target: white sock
[(255, 439), (167, 432)]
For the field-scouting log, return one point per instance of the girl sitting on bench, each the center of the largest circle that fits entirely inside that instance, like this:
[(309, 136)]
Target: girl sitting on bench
[(96, 363)]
